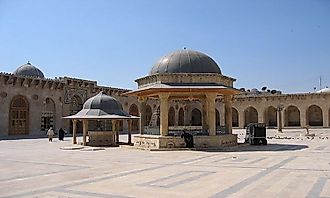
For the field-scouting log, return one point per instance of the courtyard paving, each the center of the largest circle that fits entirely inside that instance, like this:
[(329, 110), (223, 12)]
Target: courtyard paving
[(292, 165)]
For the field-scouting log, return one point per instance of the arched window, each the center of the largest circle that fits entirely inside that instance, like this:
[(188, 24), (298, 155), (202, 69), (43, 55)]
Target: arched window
[(171, 117), (217, 118), (250, 115), (133, 110), (234, 117), (148, 115), (181, 117), (271, 116), (292, 116), (19, 116), (48, 114), (196, 117), (314, 116)]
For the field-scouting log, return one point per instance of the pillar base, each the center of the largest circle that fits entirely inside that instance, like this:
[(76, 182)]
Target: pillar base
[(153, 142)]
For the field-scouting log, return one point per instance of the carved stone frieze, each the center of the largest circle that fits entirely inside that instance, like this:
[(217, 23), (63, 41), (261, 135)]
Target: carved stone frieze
[(70, 92)]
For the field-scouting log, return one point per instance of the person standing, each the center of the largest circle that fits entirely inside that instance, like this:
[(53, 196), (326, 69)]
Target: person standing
[(61, 133), (50, 134)]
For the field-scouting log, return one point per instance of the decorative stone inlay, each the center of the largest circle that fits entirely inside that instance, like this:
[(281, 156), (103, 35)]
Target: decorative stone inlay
[(70, 92), (3, 94)]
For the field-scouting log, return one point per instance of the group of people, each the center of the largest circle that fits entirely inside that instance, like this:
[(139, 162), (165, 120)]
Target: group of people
[(50, 134)]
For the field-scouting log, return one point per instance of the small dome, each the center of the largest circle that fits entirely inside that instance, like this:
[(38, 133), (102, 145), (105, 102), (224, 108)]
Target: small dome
[(185, 61), (105, 103), (29, 70)]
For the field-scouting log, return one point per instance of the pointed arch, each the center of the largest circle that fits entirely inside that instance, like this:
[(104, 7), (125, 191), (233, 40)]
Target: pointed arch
[(292, 116), (48, 114), (133, 110), (270, 116), (217, 117), (181, 117), (234, 117), (148, 115), (76, 104), (314, 116), (250, 115), (196, 117), (171, 116), (19, 116)]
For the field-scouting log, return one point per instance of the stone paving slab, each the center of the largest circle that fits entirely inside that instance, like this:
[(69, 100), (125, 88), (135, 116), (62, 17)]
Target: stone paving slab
[(295, 166)]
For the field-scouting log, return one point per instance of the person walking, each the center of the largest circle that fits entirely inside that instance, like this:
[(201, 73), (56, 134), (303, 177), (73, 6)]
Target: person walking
[(50, 134)]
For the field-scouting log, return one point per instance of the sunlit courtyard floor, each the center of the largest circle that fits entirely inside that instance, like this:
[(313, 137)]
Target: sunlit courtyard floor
[(291, 165)]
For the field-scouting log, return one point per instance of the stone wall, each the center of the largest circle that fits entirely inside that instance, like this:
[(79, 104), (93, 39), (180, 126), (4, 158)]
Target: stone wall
[(153, 142)]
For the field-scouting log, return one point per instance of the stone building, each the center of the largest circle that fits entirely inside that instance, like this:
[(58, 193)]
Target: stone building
[(31, 103)]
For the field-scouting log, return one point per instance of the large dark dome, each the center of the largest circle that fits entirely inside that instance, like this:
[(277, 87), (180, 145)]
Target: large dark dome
[(29, 70), (105, 103), (185, 61)]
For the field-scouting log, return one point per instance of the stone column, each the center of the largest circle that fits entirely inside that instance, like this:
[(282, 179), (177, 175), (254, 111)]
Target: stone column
[(211, 121), (163, 114), (115, 129), (205, 114), (74, 132), (142, 105), (241, 119), (187, 114), (176, 116), (280, 117), (228, 110), (85, 130), (325, 116), (129, 127), (303, 119), (222, 114), (261, 116)]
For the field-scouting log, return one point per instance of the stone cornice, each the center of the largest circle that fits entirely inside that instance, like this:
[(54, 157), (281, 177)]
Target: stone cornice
[(185, 78), (11, 79)]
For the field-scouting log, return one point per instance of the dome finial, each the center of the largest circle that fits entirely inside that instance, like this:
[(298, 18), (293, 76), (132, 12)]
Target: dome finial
[(28, 63), (184, 48)]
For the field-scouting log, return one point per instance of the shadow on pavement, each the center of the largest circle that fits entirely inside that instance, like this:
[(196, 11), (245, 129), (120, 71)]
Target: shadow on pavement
[(21, 137), (249, 148)]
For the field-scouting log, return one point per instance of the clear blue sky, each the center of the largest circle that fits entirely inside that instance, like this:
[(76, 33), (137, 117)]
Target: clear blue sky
[(282, 44)]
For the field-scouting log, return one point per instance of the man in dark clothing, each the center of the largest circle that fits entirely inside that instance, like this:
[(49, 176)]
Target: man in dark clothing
[(61, 134), (188, 139)]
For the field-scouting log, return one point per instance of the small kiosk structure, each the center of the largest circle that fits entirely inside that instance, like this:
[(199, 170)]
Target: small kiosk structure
[(185, 75), (100, 117)]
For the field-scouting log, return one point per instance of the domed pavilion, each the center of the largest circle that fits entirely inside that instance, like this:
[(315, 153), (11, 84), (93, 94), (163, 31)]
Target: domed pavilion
[(96, 113), (191, 76)]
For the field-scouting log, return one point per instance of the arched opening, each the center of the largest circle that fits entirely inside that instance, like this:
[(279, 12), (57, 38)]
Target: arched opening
[(157, 116), (250, 115), (120, 125), (133, 110), (314, 116), (48, 114), (75, 106), (148, 115), (171, 117), (234, 117), (181, 117), (19, 116), (217, 118), (292, 116), (271, 116), (196, 117)]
